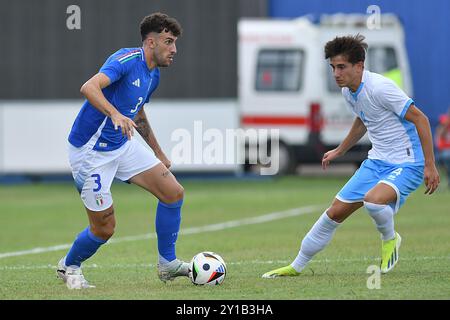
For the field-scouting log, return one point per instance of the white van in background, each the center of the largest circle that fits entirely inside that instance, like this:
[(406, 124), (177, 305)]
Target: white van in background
[(286, 83)]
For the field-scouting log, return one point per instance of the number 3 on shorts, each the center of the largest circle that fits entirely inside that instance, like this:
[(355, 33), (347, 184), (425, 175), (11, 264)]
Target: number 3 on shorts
[(97, 181)]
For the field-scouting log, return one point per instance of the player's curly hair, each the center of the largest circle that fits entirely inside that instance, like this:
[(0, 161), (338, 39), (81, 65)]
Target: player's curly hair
[(159, 22), (352, 47)]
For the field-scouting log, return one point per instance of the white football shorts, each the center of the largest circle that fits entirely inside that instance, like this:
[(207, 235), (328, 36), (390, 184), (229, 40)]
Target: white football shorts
[(94, 171)]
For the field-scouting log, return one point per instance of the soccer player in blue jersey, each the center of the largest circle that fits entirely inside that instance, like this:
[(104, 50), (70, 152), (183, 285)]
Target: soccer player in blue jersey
[(101, 148), (400, 159)]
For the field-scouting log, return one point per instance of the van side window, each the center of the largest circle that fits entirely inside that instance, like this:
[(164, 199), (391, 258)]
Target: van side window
[(279, 70)]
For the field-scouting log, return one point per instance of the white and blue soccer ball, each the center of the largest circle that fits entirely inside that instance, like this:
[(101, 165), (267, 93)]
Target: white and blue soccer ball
[(207, 268)]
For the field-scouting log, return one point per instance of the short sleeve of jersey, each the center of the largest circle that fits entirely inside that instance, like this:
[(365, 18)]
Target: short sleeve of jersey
[(393, 98), (114, 68)]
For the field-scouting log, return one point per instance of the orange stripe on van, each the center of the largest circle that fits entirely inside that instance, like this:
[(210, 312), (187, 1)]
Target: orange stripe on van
[(275, 120)]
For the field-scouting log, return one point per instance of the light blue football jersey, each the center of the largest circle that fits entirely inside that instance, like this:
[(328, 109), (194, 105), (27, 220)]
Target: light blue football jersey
[(132, 84), (382, 106)]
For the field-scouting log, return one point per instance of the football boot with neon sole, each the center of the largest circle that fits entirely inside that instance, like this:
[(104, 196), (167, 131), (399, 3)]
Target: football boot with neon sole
[(390, 253), (287, 271)]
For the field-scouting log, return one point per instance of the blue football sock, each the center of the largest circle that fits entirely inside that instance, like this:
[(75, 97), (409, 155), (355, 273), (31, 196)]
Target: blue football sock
[(168, 219), (84, 246)]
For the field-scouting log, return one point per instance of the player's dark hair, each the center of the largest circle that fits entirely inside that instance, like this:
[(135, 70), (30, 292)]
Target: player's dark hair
[(159, 22), (352, 47)]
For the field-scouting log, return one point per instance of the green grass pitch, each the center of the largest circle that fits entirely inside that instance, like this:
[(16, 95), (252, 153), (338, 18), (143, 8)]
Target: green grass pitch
[(47, 215)]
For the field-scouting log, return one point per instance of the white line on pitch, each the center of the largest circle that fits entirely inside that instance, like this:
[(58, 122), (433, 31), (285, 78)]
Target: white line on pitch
[(151, 265), (212, 227)]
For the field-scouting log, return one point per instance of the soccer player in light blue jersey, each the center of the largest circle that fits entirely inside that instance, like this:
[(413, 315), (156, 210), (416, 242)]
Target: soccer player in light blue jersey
[(400, 159), (101, 148)]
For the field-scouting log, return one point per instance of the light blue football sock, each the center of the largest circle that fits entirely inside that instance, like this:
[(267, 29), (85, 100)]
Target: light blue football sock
[(168, 219), (84, 246)]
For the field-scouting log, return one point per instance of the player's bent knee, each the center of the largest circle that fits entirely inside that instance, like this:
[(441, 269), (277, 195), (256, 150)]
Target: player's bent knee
[(179, 194), (104, 224), (174, 196), (107, 233), (374, 198), (103, 232), (334, 215), (339, 211)]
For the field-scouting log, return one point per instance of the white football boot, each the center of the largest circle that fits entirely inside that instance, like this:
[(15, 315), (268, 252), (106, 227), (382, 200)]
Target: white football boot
[(72, 276), (173, 269)]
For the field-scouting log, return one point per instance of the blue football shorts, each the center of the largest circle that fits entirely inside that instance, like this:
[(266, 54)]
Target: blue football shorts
[(403, 178)]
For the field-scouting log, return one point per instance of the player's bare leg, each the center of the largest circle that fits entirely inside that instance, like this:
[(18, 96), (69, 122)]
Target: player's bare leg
[(102, 223), (317, 238), (101, 228), (162, 183), (378, 201), (382, 193), (339, 210)]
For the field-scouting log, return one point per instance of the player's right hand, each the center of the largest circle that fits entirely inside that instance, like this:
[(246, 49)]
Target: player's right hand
[(126, 124), (329, 156)]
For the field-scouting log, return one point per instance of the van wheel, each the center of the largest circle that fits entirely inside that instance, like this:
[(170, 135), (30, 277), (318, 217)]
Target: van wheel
[(287, 161)]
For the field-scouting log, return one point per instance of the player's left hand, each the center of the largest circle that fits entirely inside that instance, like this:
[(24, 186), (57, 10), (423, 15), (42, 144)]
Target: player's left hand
[(431, 178), (165, 161)]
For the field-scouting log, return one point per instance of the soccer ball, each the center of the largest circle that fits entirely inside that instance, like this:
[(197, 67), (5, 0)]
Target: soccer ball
[(207, 268)]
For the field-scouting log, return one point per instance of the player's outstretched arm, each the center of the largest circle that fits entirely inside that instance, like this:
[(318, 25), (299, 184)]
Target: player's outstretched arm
[(420, 120), (357, 131), (146, 132), (92, 90)]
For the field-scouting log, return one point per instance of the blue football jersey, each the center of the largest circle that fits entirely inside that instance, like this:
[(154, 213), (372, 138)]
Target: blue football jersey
[(132, 84)]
